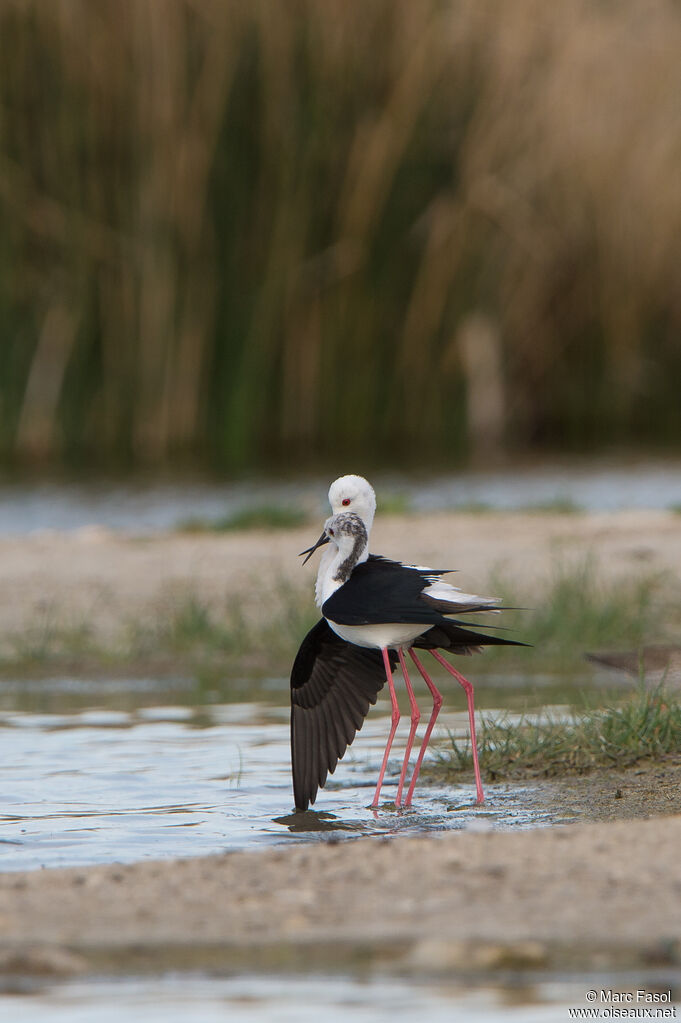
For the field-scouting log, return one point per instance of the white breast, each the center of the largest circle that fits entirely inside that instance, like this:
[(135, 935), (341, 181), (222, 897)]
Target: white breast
[(321, 587)]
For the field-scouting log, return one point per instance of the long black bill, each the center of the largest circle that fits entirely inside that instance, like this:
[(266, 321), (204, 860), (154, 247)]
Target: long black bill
[(310, 550)]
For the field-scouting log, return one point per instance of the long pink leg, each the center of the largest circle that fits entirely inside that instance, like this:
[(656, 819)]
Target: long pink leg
[(415, 718), (468, 688), (395, 721), (437, 703)]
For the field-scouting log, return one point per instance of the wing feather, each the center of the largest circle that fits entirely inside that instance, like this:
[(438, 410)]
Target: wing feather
[(333, 684)]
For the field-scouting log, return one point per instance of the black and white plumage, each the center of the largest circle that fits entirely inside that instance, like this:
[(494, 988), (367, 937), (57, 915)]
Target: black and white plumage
[(380, 591), (376, 607)]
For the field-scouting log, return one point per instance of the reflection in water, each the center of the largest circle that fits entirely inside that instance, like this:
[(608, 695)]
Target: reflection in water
[(187, 699), (304, 822)]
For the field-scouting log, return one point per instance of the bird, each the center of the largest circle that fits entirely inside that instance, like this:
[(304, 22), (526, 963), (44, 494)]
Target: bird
[(658, 663), (373, 610), (333, 683)]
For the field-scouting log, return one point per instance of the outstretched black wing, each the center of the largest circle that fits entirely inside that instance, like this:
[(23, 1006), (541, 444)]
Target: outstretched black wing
[(333, 684)]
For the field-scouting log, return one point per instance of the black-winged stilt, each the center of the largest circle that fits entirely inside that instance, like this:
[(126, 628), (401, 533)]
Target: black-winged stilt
[(380, 607)]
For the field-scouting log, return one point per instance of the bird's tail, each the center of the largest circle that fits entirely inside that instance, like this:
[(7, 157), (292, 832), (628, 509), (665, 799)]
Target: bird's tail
[(458, 639)]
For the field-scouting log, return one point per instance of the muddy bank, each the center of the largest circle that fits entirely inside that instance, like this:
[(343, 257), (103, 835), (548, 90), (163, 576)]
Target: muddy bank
[(647, 789)]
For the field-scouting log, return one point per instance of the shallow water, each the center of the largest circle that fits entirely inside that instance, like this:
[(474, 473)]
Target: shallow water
[(118, 770), (146, 507), (134, 769), (256, 998), (101, 785)]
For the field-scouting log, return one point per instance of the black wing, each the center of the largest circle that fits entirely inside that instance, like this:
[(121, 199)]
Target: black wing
[(333, 684), (380, 583)]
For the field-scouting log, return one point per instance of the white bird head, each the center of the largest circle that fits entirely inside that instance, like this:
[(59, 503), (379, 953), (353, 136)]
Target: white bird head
[(353, 494)]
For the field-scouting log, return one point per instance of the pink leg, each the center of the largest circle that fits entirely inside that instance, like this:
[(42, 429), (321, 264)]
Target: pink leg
[(468, 688), (415, 718), (437, 703), (395, 721)]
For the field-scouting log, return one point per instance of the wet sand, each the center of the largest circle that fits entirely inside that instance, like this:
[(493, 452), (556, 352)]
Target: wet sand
[(577, 895)]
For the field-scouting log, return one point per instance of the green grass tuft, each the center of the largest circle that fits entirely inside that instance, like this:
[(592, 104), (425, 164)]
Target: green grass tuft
[(647, 725), (205, 634), (578, 611)]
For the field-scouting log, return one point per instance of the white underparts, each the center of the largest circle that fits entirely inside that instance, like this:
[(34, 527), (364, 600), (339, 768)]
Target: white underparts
[(390, 634)]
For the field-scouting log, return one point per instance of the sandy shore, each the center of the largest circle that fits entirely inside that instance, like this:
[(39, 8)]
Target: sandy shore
[(107, 580), (580, 895)]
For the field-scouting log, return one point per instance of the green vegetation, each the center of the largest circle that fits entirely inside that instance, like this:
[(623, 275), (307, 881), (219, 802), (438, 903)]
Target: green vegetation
[(227, 638), (185, 634), (394, 504), (260, 233), (646, 725), (49, 643), (256, 517), (573, 613), (576, 611), (278, 516)]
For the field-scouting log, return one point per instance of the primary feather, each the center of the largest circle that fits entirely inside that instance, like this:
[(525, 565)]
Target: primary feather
[(333, 684)]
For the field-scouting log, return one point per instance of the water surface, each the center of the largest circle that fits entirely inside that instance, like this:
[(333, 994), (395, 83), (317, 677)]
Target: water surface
[(254, 998), (144, 507), (132, 769), (110, 785)]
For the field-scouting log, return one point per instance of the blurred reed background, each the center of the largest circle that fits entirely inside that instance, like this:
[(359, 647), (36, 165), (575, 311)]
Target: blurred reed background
[(259, 234)]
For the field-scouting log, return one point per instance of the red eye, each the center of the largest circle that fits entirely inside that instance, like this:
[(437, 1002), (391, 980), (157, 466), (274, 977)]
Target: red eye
[(332, 532), (345, 501)]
